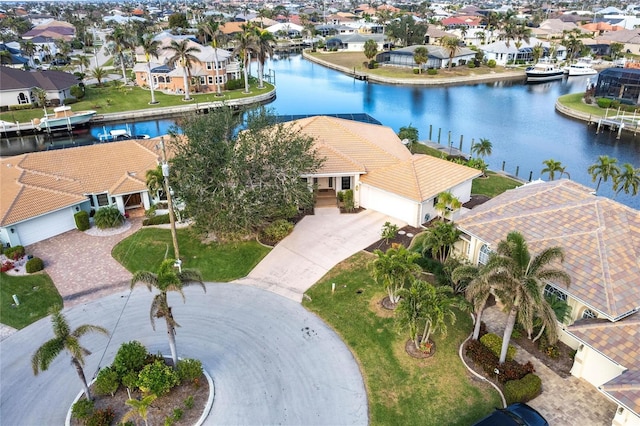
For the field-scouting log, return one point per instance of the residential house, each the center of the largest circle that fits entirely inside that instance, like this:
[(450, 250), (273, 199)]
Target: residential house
[(285, 30), (354, 42), (601, 243), (504, 52), (630, 39), (621, 84), (371, 160), (438, 57), (42, 191), (18, 85), (214, 68), (12, 57), (553, 28), (58, 30)]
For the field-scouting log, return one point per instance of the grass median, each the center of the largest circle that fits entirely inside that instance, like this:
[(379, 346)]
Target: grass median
[(401, 390), (36, 294)]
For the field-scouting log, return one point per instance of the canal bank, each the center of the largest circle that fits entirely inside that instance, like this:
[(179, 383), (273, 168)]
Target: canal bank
[(515, 75)]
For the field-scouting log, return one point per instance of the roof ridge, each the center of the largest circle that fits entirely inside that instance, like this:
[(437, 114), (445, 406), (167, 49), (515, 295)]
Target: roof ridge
[(42, 188), (340, 122)]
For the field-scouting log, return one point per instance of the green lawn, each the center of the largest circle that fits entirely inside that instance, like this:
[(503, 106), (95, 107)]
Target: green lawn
[(401, 390), (36, 294), (574, 101), (145, 250), (112, 98), (418, 148), (494, 184)]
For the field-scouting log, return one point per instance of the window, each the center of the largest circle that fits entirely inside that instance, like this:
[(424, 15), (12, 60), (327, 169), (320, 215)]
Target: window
[(22, 99), (203, 80), (550, 291), (346, 182), (90, 197), (209, 65), (588, 313), (210, 80), (315, 181), (103, 199), (221, 79), (483, 257), (331, 182), (435, 201)]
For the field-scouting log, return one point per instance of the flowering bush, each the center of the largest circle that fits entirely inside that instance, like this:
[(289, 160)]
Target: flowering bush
[(7, 265)]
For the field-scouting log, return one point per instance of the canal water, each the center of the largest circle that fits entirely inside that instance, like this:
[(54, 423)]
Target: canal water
[(518, 118)]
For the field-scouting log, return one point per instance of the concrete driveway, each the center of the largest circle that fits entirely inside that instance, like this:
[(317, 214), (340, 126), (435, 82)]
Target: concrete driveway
[(317, 244), (272, 361)]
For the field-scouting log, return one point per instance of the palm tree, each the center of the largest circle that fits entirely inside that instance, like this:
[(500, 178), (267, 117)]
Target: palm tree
[(150, 48), (537, 52), (245, 44), (604, 169), (139, 407), (211, 28), (477, 291), (552, 167), (83, 61), (41, 96), (447, 203), (420, 56), (452, 44), (518, 280), (167, 279), (99, 73), (438, 239), (628, 180), (122, 42), (264, 49), (29, 49), (184, 54), (155, 180), (370, 49), (394, 269), (65, 339), (482, 148)]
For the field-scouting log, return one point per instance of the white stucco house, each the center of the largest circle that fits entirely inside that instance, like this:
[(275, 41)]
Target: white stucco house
[(42, 191), (504, 53), (601, 243), (371, 160)]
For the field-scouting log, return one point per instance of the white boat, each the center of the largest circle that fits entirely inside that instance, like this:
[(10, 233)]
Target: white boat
[(119, 135), (582, 67), (544, 71), (63, 117)]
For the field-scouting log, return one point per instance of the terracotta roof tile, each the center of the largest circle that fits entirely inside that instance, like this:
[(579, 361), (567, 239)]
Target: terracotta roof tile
[(600, 238)]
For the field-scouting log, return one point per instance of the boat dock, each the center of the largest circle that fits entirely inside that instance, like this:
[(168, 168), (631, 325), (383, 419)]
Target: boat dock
[(618, 122)]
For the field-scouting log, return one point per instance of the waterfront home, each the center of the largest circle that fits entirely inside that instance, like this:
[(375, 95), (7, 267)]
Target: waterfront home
[(504, 53), (438, 57), (214, 68), (18, 86), (58, 30), (42, 191), (354, 42), (621, 84), (371, 160), (628, 38), (601, 243)]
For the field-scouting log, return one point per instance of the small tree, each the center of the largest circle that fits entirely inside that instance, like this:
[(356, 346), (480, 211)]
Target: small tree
[(139, 407), (65, 339), (370, 49), (393, 269), (409, 133), (447, 203), (389, 231), (438, 240), (420, 56)]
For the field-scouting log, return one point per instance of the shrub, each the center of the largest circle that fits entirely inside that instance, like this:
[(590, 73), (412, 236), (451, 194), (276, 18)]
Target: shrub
[(341, 196), (189, 370), (107, 381), (416, 71), (7, 265), (82, 409), (76, 91), (14, 253), (157, 220), (523, 390), (432, 71), (34, 264), (108, 217), (603, 102), (348, 200), (235, 84), (70, 101), (157, 378), (188, 402), (494, 343), (389, 231), (471, 64), (177, 414), (82, 220), (509, 370), (130, 357), (276, 231), (491, 63), (102, 417)]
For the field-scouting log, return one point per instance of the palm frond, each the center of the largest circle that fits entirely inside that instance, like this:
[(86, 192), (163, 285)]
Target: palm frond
[(45, 355)]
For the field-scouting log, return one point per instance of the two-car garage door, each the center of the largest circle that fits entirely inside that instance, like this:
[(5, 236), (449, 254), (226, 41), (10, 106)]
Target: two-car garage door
[(47, 226)]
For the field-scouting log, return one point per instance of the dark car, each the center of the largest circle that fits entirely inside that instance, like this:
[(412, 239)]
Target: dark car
[(60, 61), (517, 414)]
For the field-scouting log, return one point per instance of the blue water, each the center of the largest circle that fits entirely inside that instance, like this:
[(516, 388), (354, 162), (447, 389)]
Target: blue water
[(519, 119)]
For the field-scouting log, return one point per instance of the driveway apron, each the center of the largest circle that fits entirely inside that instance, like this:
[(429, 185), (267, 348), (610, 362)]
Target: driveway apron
[(316, 245)]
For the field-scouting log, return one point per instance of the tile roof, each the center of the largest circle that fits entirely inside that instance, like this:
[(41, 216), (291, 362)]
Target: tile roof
[(48, 80), (600, 238), (421, 177), (625, 389), (37, 183)]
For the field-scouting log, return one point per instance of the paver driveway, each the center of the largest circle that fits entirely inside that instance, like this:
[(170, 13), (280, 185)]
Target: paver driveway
[(272, 361)]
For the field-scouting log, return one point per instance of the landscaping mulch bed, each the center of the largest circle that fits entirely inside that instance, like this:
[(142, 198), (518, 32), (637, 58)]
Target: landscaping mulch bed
[(399, 239), (410, 348), (560, 365)]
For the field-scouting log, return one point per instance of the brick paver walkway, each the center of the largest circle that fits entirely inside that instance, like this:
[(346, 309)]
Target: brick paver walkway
[(81, 265), (566, 402)]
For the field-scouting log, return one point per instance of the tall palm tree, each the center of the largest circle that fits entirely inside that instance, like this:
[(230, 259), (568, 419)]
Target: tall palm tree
[(183, 54), (452, 44), (167, 279), (552, 167), (482, 148), (628, 180), (150, 47), (264, 49), (605, 168), (121, 40), (245, 43), (65, 339), (83, 61), (519, 279), (394, 269), (211, 29), (477, 291)]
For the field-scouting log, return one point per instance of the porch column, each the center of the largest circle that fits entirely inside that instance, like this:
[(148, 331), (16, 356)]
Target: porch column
[(356, 191), (145, 200), (120, 203)]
